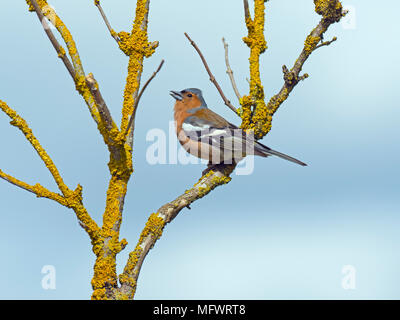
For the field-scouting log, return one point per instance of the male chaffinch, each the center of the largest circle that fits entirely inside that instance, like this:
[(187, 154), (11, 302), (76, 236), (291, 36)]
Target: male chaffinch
[(207, 135)]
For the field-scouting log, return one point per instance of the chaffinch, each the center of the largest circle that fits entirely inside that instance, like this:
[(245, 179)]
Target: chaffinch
[(207, 135)]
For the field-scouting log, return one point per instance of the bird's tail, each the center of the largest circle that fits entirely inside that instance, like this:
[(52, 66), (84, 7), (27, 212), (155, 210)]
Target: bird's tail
[(264, 151)]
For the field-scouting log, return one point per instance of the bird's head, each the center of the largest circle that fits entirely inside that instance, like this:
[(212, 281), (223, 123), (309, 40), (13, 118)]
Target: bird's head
[(190, 98)]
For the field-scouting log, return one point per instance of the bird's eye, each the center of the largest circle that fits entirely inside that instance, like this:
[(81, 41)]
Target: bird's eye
[(190, 95)]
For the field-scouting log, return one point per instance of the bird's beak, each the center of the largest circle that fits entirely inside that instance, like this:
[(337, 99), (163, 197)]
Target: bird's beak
[(177, 95)]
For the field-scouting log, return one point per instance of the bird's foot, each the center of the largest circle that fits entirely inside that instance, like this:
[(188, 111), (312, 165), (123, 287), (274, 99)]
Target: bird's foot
[(214, 167), (207, 170)]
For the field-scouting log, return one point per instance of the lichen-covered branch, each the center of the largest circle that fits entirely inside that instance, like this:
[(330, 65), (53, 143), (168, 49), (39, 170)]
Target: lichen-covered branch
[(136, 46), (131, 123), (253, 105), (69, 198), (37, 189), (44, 10), (259, 117), (21, 124), (59, 49), (106, 243), (158, 220)]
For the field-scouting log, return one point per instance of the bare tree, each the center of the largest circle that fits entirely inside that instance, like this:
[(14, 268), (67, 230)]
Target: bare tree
[(255, 111)]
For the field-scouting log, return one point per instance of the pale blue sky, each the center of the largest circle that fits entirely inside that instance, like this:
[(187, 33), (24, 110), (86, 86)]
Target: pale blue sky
[(284, 232)]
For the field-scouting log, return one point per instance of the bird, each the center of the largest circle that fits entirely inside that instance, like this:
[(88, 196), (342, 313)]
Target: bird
[(206, 135)]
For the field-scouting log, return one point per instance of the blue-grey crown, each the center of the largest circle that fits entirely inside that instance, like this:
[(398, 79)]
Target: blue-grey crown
[(198, 93)]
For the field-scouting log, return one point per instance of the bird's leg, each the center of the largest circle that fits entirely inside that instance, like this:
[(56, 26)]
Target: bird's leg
[(217, 166), (210, 166)]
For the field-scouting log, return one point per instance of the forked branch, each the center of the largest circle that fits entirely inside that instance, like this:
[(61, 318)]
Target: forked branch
[(37, 189), (97, 106), (261, 118), (103, 15), (59, 49), (136, 104), (212, 78), (332, 13), (326, 43), (69, 198)]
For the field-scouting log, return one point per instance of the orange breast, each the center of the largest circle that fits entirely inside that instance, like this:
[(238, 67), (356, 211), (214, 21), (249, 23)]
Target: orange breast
[(180, 115)]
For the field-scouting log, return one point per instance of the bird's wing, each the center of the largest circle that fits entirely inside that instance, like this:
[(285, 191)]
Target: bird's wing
[(211, 118), (220, 134)]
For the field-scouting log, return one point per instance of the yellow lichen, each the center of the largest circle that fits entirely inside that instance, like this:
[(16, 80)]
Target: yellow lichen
[(329, 9), (153, 228), (205, 185), (105, 241), (61, 53), (253, 108), (310, 43), (137, 47), (70, 199)]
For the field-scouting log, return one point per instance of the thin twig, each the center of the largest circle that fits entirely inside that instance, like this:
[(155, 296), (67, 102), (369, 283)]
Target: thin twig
[(212, 78), (246, 10), (326, 43), (132, 118), (229, 71), (60, 51), (112, 32)]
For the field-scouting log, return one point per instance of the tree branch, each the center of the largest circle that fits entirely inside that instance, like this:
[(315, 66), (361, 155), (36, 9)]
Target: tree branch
[(333, 13), (60, 50), (37, 189), (103, 15), (246, 10), (164, 215), (21, 124), (76, 69), (261, 118), (253, 104), (70, 198), (212, 78), (326, 43), (43, 9), (136, 46), (135, 105), (101, 104), (229, 71)]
